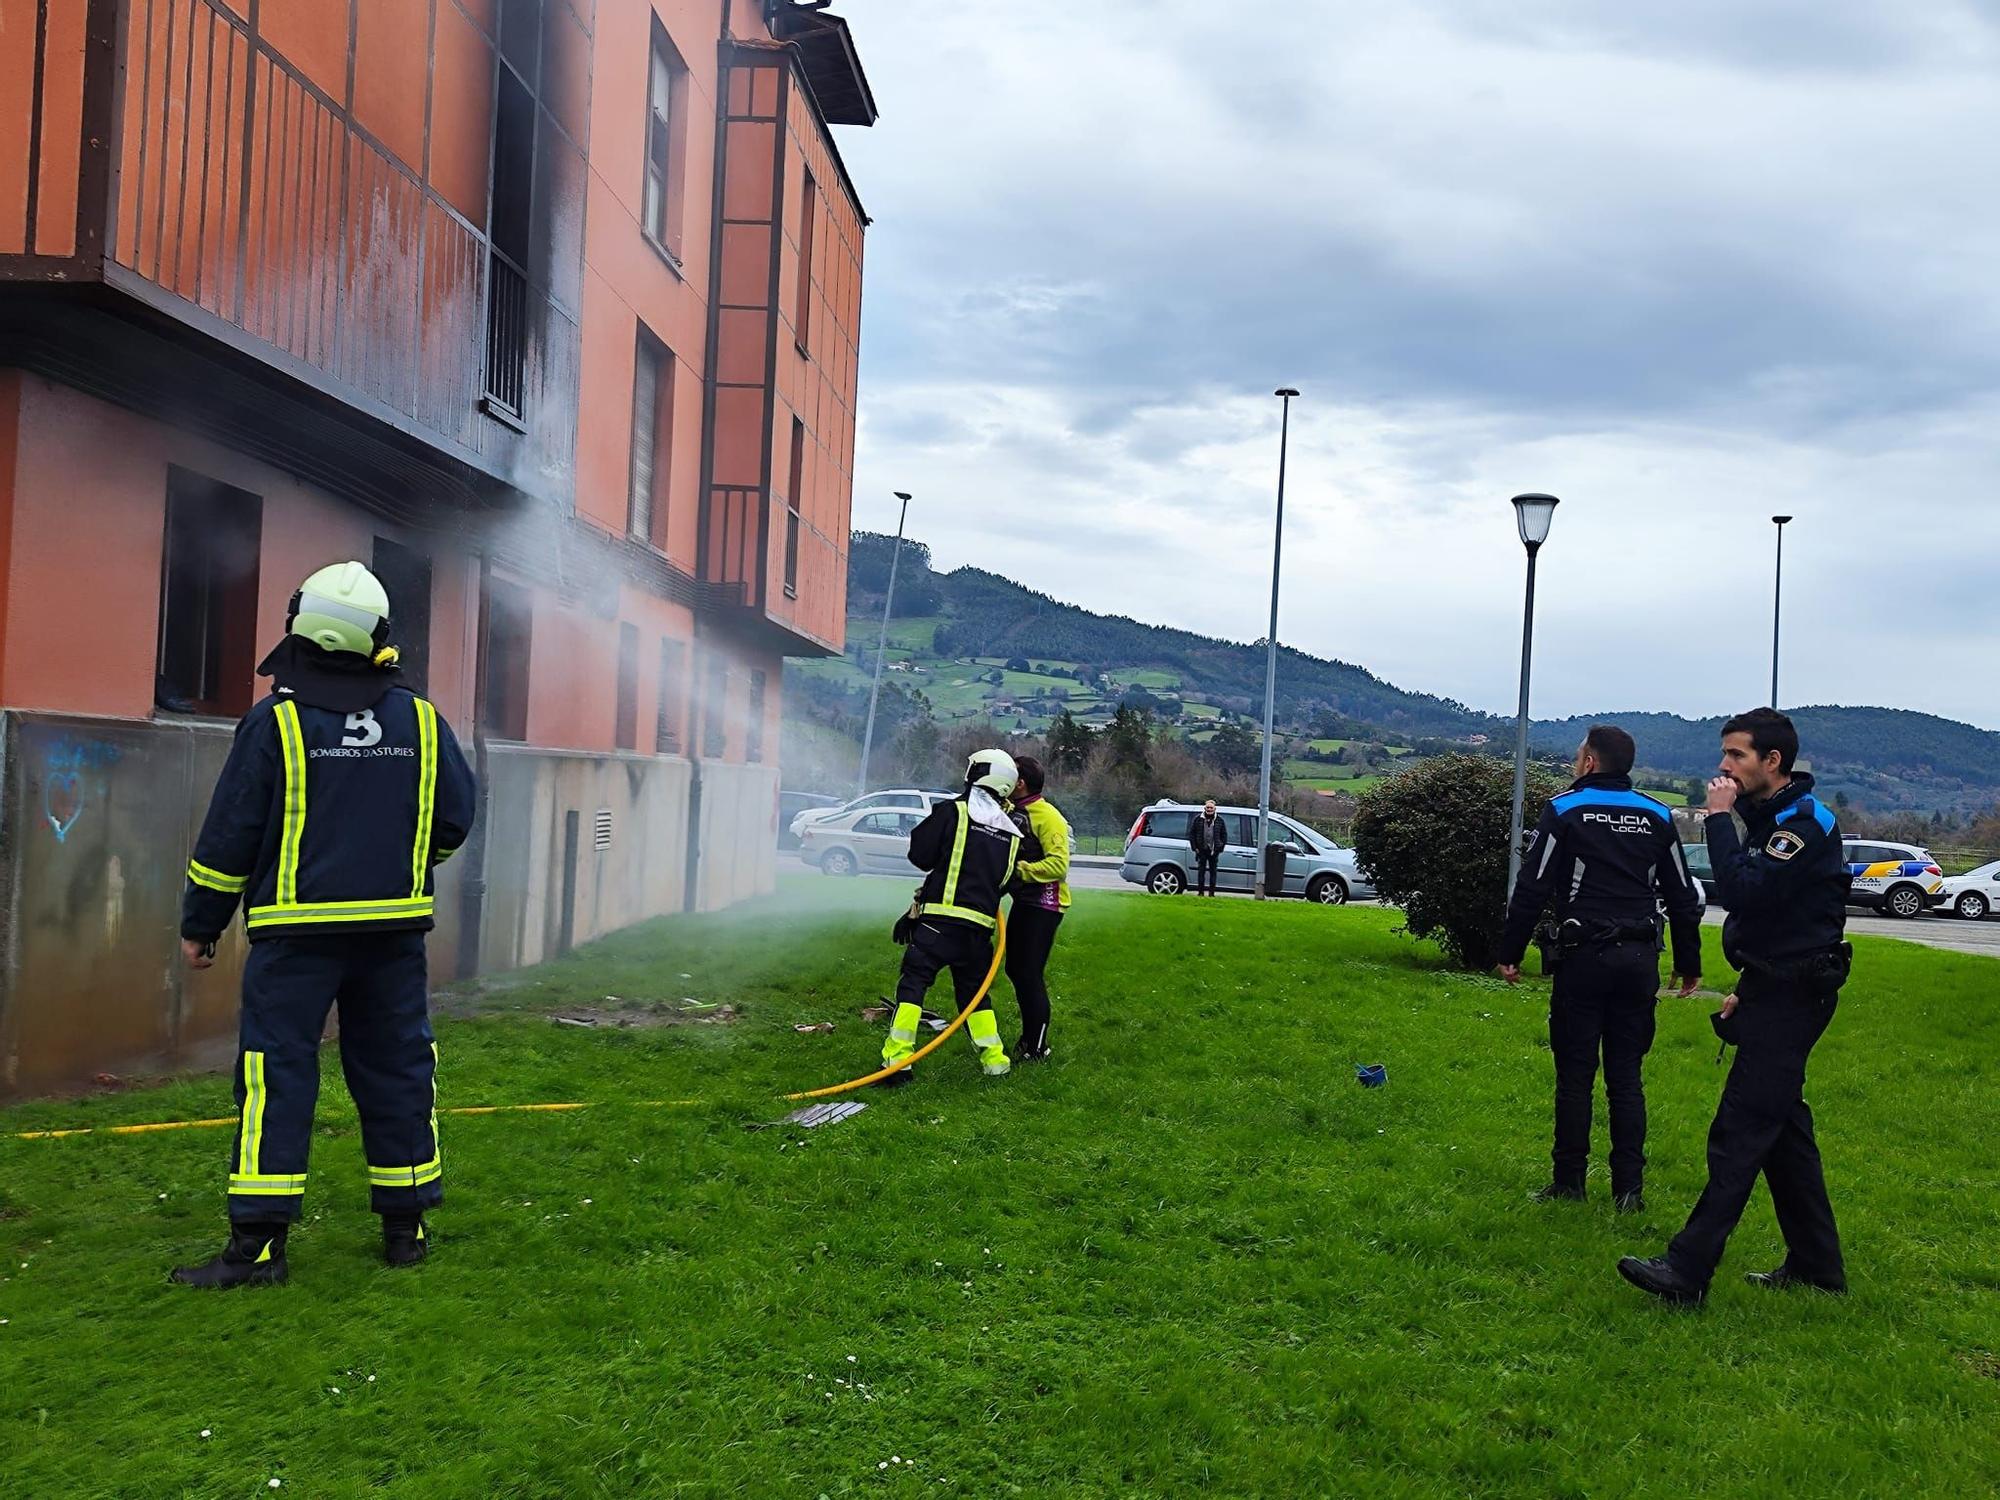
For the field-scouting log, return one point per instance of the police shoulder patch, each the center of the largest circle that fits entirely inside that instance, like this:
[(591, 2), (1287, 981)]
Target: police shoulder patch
[(1783, 844)]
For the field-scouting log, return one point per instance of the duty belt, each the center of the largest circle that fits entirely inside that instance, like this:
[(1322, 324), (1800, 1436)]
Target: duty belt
[(1601, 932)]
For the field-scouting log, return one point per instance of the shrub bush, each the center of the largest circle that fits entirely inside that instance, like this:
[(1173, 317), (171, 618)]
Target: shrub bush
[(1433, 840)]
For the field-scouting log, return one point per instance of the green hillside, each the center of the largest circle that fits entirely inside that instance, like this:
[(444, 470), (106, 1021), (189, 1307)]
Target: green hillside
[(969, 647)]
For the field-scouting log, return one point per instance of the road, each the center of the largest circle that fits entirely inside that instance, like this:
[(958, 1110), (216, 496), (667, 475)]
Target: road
[(1933, 931)]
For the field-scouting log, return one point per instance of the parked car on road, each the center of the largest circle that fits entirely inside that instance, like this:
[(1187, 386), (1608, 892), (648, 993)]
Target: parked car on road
[(870, 840), (1899, 879), (790, 805), (1974, 894), (899, 799), (1157, 855)]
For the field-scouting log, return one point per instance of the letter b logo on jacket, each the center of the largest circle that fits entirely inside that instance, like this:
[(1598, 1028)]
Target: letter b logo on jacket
[(362, 731)]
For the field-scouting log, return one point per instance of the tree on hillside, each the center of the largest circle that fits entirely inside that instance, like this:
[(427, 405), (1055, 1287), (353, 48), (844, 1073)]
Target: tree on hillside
[(1069, 744), (868, 557), (1235, 751), (1128, 741), (1017, 664)]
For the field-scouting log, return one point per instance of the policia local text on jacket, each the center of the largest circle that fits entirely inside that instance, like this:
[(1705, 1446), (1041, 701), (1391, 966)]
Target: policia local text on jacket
[(968, 862), (1602, 856), (341, 792), (1785, 883)]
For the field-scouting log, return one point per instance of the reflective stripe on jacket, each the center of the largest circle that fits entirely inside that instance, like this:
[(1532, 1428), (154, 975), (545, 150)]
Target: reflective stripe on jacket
[(968, 865), (329, 822)]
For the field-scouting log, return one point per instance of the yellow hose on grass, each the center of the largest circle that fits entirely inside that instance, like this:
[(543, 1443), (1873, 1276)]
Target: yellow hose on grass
[(992, 973)]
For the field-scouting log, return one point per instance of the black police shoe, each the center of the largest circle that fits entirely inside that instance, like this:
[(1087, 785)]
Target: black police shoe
[(1659, 1277), (1557, 1192), (900, 1079), (404, 1239), (1040, 1054), (1633, 1202), (254, 1256), (1785, 1279)]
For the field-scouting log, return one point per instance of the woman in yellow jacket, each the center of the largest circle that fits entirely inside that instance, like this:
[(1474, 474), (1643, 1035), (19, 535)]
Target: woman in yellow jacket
[(1041, 896)]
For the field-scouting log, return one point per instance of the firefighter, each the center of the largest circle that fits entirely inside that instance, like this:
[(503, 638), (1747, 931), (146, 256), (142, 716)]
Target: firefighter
[(968, 847), (342, 791)]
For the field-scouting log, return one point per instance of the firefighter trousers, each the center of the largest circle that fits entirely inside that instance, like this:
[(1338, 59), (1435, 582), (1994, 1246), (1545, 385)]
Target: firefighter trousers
[(968, 952), (380, 983)]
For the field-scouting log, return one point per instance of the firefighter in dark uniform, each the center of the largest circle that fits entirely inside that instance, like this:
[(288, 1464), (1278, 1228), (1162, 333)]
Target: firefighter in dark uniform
[(1785, 883), (1604, 857), (342, 791), (968, 848)]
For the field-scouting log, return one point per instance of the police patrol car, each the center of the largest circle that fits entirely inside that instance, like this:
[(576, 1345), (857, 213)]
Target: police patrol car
[(1900, 879)]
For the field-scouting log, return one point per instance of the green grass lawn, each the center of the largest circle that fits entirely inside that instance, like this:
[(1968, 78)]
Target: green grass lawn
[(1189, 1256)]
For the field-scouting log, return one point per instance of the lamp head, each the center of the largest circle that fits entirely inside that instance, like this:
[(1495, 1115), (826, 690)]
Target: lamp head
[(1533, 513)]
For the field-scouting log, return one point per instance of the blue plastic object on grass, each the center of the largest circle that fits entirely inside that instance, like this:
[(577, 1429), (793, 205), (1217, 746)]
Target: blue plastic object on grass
[(1371, 1075)]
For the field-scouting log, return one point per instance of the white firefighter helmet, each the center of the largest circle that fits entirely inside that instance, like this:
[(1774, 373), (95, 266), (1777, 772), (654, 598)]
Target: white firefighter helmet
[(342, 608), (993, 769)]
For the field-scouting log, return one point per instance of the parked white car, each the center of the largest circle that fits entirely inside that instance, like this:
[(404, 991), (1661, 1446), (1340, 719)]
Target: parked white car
[(897, 799), (874, 840), (1975, 893)]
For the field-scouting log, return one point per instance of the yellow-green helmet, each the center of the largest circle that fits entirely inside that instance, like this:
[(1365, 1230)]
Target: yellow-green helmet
[(342, 608)]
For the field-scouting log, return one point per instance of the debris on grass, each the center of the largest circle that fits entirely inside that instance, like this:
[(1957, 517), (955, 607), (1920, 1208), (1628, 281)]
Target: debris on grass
[(814, 1116), (645, 1018), (812, 1026)]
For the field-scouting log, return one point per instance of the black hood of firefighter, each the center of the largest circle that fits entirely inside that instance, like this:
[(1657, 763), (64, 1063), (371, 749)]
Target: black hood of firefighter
[(339, 681)]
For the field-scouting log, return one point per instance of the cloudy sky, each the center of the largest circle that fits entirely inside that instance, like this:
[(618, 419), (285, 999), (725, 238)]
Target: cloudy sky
[(1684, 266)]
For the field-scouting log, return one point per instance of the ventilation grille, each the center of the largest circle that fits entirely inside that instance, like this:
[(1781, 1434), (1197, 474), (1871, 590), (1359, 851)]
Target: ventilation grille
[(602, 835)]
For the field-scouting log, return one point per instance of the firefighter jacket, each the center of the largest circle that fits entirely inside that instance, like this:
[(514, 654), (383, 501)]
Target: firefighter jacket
[(324, 822), (967, 865), (1604, 855), (1784, 879)]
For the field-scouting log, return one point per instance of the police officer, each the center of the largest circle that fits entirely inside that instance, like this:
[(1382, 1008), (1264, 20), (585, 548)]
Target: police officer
[(341, 792), (1785, 883), (1604, 856), (968, 847)]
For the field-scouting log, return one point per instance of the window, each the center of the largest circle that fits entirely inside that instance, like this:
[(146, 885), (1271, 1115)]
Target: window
[(406, 574), (714, 726), (652, 438), (792, 502), (753, 730), (1167, 825), (509, 637), (627, 733), (1242, 829), (666, 111), (881, 822), (808, 213), (666, 737), (507, 253), (208, 597)]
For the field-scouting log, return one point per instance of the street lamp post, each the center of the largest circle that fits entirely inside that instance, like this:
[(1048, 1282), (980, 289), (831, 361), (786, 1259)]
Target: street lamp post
[(882, 645), (1532, 513), (1777, 601), (1285, 394)]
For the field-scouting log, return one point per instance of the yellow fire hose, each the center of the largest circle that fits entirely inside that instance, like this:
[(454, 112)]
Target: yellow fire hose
[(992, 973)]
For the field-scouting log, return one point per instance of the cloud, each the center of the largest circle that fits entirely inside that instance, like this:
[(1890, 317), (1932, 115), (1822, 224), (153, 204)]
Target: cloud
[(1684, 266)]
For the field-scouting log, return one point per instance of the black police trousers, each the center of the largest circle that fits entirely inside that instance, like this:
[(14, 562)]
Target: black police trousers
[(1031, 935), (381, 984), (1763, 1124), (1603, 1002), (1204, 873)]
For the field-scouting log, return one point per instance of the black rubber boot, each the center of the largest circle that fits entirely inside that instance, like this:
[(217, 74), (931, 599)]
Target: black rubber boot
[(405, 1242), (901, 1078), (254, 1256), (1558, 1192), (1633, 1202)]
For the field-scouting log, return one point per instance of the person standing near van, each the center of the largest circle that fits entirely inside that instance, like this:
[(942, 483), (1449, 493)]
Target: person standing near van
[(1208, 836)]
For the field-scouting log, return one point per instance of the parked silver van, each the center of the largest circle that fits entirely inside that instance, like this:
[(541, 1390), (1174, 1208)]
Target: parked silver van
[(1157, 855)]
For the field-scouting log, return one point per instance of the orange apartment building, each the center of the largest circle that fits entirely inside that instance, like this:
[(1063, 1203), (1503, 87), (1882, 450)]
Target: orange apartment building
[(548, 309)]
